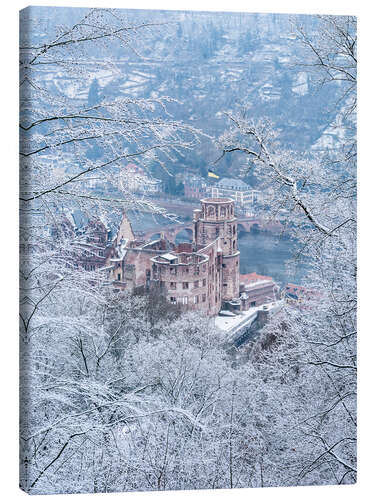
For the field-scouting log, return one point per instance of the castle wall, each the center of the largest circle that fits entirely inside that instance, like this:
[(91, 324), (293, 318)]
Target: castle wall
[(133, 268), (231, 276), (185, 281), (197, 276), (259, 294), (215, 276)]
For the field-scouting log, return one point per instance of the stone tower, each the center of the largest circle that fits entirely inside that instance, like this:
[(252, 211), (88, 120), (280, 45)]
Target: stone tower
[(216, 221)]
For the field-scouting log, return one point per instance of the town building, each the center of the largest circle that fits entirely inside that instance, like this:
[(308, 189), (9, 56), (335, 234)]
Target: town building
[(243, 196), (298, 295), (256, 290), (195, 187)]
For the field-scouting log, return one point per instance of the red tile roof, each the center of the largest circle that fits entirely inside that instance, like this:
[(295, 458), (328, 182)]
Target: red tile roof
[(252, 277)]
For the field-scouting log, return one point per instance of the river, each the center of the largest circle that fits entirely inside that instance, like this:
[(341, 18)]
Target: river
[(270, 255)]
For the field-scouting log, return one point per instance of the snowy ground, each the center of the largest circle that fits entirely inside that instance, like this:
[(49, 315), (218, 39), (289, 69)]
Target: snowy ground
[(232, 323)]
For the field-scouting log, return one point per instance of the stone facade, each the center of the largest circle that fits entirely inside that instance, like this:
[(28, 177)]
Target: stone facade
[(183, 277), (130, 265), (199, 275), (235, 189), (216, 221), (257, 290)]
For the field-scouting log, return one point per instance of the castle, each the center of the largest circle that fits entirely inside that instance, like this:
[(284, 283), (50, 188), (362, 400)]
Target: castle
[(203, 275)]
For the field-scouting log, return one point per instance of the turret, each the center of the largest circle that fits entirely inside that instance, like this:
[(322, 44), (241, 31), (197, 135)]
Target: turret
[(216, 220)]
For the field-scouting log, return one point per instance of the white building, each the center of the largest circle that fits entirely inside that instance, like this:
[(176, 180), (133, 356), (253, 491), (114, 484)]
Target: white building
[(236, 189)]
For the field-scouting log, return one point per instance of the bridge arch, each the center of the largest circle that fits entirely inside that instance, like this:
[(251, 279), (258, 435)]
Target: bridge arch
[(255, 228), (241, 229)]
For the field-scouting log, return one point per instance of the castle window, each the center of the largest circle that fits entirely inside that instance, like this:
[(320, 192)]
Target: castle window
[(204, 297), (196, 299), (204, 282), (118, 277), (196, 284), (184, 300), (173, 300), (173, 270), (172, 285), (185, 285)]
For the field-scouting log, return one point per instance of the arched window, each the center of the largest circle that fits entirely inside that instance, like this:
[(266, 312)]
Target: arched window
[(211, 211)]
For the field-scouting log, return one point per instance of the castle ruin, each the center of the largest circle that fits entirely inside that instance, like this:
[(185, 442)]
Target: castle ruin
[(202, 275)]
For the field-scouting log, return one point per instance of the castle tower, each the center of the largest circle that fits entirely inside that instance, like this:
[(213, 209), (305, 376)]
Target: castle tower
[(216, 221)]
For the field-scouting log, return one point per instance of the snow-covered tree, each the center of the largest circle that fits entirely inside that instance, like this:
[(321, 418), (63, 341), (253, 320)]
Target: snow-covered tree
[(310, 372), (62, 334)]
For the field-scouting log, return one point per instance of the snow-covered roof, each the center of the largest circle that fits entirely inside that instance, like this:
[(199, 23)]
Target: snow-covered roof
[(169, 256), (256, 283), (235, 184), (231, 324), (107, 268), (227, 313), (253, 278)]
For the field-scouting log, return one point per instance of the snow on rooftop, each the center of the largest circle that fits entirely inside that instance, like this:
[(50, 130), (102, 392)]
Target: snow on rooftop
[(168, 256), (228, 323), (256, 283), (231, 324)]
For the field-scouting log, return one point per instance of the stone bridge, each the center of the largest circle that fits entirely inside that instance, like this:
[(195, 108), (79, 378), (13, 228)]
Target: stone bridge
[(171, 231)]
